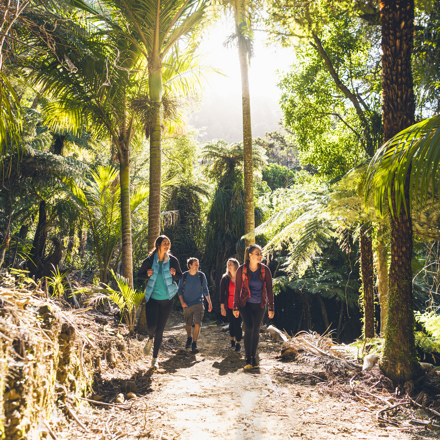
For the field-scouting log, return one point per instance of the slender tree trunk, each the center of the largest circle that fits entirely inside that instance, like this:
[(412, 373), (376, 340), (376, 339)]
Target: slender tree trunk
[(382, 277), (341, 314), (323, 311), (127, 255), (249, 214), (399, 361), (38, 245), (367, 268), (155, 158)]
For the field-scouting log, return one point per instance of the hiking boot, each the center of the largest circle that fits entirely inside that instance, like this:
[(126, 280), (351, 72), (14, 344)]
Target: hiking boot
[(232, 343), (255, 363), (147, 347), (248, 365), (188, 342), (237, 347), (154, 363), (194, 348)]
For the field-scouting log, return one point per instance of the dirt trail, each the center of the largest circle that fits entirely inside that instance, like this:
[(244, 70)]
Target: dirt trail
[(210, 396)]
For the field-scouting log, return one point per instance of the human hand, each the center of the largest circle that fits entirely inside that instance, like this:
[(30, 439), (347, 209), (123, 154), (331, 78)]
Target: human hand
[(173, 271), (236, 313), (184, 304), (271, 314), (223, 310), (210, 307), (150, 272)]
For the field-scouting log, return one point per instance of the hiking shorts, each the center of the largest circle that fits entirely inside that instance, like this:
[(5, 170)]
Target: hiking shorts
[(194, 314)]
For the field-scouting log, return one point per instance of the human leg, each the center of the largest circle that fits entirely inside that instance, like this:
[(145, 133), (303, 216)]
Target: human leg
[(165, 307), (151, 313), (196, 332), (246, 315), (257, 316)]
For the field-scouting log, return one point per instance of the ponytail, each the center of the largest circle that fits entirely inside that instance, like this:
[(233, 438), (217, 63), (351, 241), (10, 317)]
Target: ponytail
[(249, 250)]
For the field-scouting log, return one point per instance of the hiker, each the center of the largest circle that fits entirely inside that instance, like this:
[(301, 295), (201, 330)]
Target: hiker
[(162, 270), (253, 290), (227, 292), (192, 287)]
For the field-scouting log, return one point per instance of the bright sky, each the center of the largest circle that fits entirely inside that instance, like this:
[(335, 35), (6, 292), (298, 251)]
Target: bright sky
[(223, 94)]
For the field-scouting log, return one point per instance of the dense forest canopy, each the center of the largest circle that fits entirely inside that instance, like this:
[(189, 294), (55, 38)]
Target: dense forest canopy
[(98, 156)]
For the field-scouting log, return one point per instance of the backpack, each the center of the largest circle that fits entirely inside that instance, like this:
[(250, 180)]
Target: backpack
[(199, 276)]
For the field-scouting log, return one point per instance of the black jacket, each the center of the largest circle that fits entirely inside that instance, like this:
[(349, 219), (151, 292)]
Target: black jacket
[(148, 264)]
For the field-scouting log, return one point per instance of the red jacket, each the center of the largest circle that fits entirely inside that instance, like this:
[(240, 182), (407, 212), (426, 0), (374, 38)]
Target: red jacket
[(242, 293)]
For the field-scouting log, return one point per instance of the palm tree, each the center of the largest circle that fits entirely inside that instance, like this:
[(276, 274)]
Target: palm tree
[(89, 75), (155, 28), (244, 35)]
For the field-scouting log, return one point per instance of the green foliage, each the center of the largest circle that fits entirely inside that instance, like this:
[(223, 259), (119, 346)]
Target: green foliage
[(126, 298), (277, 176), (99, 200), (414, 150), (57, 282), (429, 339)]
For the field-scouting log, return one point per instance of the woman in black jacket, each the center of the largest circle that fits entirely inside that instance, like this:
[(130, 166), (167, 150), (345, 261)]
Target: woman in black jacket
[(162, 270), (227, 290)]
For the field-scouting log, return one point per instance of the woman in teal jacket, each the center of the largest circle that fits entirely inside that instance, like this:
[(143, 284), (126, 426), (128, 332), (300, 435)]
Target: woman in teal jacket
[(162, 271)]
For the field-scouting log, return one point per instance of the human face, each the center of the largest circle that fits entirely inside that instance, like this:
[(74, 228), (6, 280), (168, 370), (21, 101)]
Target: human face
[(231, 267), (195, 266), (165, 246), (256, 256)]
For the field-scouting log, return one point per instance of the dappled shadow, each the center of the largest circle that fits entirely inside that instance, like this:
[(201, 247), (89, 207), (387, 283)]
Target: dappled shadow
[(181, 359), (230, 364)]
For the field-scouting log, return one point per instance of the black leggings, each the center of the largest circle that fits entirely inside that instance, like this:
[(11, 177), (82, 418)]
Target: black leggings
[(234, 325), (252, 315), (157, 312)]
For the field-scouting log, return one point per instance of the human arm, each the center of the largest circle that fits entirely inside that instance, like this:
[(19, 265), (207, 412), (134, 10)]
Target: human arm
[(206, 292), (146, 271), (180, 294), (222, 309), (175, 269), (269, 293), (238, 283)]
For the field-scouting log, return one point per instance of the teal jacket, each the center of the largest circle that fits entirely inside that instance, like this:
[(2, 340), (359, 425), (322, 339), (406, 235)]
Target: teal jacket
[(170, 281)]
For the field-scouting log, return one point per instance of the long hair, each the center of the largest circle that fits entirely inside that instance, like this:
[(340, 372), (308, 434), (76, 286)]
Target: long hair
[(249, 250), (158, 242), (236, 264)]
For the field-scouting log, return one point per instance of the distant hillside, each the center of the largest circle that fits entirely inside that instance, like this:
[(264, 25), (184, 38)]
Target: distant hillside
[(220, 117)]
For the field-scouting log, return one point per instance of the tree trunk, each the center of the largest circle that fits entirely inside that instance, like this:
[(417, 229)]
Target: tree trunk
[(155, 159), (249, 214), (124, 173), (35, 264), (341, 314), (70, 242), (399, 361), (323, 311), (367, 269), (382, 277)]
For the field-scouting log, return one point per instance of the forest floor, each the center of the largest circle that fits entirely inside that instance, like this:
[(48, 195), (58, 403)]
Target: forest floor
[(209, 396)]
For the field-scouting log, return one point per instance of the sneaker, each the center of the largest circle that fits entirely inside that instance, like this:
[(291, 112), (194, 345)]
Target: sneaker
[(188, 342), (154, 363), (147, 347), (232, 343), (194, 348), (237, 347), (248, 365), (255, 363)]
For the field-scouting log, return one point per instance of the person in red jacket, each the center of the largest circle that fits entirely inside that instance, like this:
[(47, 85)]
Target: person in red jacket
[(253, 290), (227, 292)]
